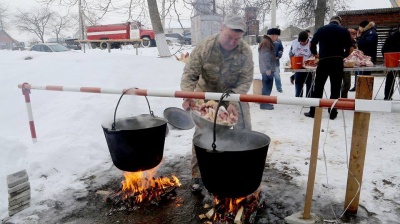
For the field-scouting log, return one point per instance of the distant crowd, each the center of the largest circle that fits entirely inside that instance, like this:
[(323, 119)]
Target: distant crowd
[(335, 43)]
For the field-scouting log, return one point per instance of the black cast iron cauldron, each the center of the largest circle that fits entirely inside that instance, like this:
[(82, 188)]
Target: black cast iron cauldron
[(127, 140), (235, 168), (231, 162)]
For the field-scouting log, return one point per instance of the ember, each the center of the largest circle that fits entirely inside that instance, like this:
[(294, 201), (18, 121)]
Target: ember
[(143, 189), (234, 210)]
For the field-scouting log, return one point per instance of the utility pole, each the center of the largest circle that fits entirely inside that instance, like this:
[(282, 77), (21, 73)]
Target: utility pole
[(213, 10), (163, 14), (273, 14), (82, 33), (330, 8)]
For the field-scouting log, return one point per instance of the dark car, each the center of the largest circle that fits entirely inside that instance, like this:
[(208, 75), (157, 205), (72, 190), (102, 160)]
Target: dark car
[(178, 38), (71, 44), (187, 35)]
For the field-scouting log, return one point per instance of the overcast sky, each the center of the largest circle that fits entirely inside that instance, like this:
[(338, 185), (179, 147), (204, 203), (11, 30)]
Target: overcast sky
[(27, 4), (355, 4)]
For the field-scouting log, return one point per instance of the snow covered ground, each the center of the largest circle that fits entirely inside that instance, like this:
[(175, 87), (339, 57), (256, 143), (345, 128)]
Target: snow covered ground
[(71, 144)]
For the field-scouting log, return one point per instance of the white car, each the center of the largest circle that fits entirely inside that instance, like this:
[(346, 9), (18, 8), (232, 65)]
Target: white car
[(49, 47), (177, 38)]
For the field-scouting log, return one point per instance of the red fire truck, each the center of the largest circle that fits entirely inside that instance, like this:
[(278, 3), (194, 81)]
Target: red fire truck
[(117, 34)]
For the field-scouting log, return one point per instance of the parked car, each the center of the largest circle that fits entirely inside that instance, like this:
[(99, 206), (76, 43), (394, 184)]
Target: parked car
[(177, 38), (71, 44), (49, 47)]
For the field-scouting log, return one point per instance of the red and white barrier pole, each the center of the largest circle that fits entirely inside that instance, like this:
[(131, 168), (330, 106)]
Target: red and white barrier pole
[(26, 91), (356, 105)]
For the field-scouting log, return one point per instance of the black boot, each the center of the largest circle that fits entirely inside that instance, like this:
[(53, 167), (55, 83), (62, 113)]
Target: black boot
[(311, 113), (332, 114), (308, 114)]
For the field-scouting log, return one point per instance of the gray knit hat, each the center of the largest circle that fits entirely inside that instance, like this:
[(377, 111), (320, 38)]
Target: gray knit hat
[(235, 22), (337, 19)]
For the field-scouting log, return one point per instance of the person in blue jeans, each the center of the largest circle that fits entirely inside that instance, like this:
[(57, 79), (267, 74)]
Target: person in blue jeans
[(266, 61), (301, 47), (278, 53)]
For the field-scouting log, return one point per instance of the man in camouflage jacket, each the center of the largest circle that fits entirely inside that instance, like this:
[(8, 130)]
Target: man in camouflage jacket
[(221, 62), (215, 67)]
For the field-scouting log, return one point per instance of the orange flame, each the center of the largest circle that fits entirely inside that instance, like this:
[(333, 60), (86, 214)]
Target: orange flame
[(139, 183), (226, 209), (232, 204)]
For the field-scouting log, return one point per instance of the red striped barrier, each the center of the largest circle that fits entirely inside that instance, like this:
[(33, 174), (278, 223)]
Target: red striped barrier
[(343, 104)]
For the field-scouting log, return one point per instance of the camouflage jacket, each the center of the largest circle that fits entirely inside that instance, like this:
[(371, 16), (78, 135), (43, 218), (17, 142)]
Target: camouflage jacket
[(208, 70)]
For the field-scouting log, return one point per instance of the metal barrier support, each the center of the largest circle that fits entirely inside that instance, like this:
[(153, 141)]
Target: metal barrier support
[(26, 92)]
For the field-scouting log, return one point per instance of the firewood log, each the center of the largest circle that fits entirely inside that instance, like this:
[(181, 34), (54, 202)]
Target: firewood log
[(202, 216), (210, 213), (206, 206), (103, 193), (238, 217)]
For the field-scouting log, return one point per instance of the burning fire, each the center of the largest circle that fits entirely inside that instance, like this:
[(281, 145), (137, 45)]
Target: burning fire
[(234, 210), (143, 186), (232, 204), (226, 208)]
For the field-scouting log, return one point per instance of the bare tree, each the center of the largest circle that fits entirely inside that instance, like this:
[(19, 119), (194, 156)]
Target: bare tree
[(320, 12), (89, 11), (162, 46), (59, 23), (32, 41), (312, 12), (33, 21), (301, 13), (3, 16)]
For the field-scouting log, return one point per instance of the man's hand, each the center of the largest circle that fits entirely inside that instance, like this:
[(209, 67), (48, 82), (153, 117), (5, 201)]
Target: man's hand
[(268, 72), (188, 104), (232, 110)]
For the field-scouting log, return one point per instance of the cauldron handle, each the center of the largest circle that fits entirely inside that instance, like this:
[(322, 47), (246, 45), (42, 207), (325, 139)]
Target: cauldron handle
[(224, 94), (115, 112)]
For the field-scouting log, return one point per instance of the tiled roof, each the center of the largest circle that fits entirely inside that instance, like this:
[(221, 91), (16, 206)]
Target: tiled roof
[(369, 11), (5, 38)]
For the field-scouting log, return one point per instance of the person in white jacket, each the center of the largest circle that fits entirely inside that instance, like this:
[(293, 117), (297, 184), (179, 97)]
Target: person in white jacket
[(301, 47)]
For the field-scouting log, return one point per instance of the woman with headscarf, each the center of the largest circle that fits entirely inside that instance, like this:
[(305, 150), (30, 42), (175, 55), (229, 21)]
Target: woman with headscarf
[(267, 64)]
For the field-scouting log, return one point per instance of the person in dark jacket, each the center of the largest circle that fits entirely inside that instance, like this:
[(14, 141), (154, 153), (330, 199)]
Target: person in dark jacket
[(367, 43), (392, 44), (334, 43)]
